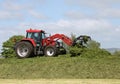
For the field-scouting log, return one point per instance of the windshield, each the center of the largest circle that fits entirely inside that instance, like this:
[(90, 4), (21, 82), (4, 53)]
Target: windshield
[(32, 35)]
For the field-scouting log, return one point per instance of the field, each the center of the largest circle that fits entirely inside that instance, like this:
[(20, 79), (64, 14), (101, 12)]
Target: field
[(60, 81), (60, 68)]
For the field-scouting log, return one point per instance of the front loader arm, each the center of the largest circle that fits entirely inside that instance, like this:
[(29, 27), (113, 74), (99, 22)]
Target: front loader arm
[(62, 37)]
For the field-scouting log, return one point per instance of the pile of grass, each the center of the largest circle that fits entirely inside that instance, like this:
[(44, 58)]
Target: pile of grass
[(59, 67)]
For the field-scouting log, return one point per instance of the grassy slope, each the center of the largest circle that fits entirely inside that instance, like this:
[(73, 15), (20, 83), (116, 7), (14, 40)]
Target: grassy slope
[(60, 67)]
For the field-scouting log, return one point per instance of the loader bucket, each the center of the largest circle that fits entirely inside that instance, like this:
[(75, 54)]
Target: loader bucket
[(81, 40)]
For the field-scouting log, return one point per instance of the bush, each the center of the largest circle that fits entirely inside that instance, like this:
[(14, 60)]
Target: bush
[(7, 47), (95, 53)]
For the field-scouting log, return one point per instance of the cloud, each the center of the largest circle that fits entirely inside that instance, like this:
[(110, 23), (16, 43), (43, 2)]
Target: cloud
[(15, 5), (83, 26), (101, 8), (37, 14), (13, 9), (10, 15), (12, 6), (74, 15), (93, 3), (100, 30), (109, 13)]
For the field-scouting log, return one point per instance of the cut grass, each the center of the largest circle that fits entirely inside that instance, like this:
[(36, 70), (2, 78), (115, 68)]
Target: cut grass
[(60, 81), (60, 68)]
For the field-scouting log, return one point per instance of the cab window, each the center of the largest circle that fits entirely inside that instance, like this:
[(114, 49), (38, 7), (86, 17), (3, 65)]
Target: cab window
[(29, 35), (43, 35)]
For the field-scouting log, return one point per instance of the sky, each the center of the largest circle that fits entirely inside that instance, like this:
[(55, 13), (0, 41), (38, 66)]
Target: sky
[(99, 19)]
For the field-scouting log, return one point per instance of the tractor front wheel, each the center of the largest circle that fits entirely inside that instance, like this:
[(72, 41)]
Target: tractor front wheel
[(24, 49), (50, 51)]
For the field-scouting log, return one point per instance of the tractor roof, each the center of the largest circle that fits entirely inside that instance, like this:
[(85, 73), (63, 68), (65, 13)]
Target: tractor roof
[(34, 30)]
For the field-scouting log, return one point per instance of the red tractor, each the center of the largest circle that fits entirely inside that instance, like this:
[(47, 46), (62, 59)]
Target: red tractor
[(36, 43)]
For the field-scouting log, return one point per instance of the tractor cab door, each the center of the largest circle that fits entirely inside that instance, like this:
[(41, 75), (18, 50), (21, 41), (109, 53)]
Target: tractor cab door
[(36, 37)]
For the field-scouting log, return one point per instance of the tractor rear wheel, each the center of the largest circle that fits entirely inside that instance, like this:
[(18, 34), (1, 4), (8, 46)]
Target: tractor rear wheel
[(50, 51), (24, 49)]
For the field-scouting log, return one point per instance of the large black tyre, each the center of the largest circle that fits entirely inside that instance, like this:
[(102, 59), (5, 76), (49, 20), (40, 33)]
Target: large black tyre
[(24, 49), (51, 51)]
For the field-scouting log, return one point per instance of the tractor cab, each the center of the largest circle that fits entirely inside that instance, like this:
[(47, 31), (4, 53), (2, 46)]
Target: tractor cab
[(36, 35)]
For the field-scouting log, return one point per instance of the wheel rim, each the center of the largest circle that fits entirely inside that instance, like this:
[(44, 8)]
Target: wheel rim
[(50, 52), (22, 50)]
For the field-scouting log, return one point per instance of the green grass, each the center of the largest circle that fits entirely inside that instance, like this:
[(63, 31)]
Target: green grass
[(60, 68)]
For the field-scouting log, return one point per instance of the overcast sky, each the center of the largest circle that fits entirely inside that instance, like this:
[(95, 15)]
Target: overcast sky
[(98, 18)]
